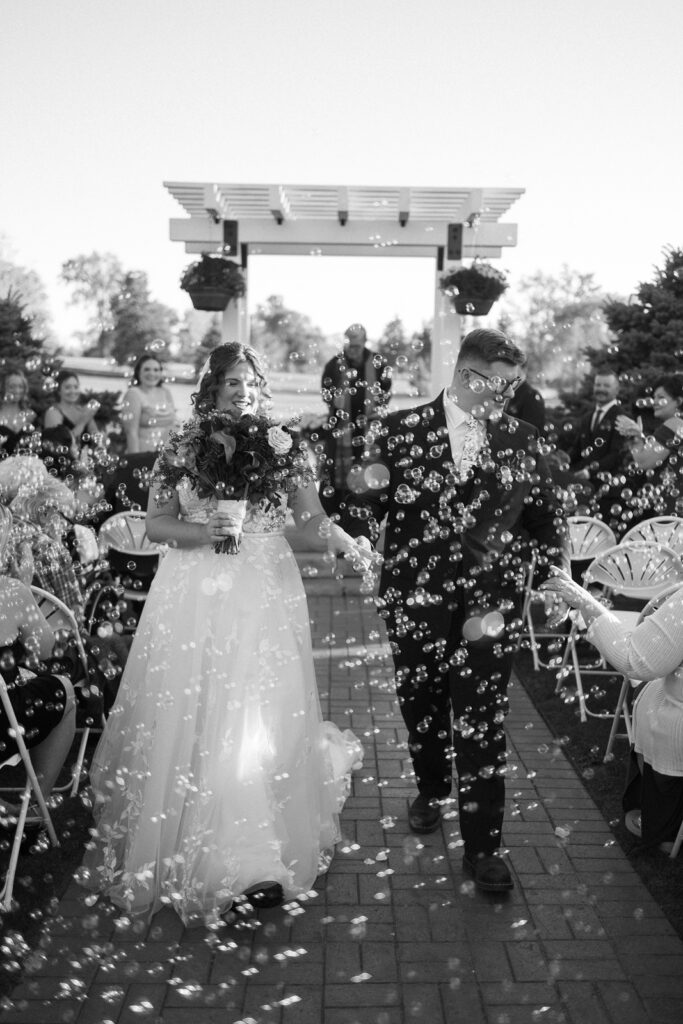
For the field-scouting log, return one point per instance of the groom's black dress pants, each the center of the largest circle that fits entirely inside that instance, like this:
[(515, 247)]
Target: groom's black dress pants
[(453, 698)]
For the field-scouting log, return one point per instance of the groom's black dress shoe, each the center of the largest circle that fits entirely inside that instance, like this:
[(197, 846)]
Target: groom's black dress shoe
[(490, 874), (424, 815)]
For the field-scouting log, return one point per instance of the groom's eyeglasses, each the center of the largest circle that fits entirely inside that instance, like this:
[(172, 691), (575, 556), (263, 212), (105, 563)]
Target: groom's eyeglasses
[(498, 385)]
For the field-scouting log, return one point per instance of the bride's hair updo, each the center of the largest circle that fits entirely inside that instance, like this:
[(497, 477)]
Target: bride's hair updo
[(222, 359)]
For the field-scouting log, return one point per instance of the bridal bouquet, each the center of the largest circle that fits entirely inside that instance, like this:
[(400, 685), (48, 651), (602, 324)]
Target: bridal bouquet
[(231, 460)]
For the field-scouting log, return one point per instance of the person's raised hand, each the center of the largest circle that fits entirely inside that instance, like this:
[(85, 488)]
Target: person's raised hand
[(627, 427)]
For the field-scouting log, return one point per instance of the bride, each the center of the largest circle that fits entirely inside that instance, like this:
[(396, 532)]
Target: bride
[(215, 776)]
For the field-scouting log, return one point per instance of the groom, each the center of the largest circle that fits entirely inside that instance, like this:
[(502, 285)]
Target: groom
[(466, 494)]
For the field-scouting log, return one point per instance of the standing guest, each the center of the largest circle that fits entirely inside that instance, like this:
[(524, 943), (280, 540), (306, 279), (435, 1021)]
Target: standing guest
[(215, 777), (43, 703), (16, 416), (148, 414), (69, 409), (464, 486), (527, 404), (659, 457), (653, 650), (598, 449), (356, 385)]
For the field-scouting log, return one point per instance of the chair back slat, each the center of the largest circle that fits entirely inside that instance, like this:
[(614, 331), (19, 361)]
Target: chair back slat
[(666, 530), (127, 532), (639, 569), (588, 537), (60, 616)]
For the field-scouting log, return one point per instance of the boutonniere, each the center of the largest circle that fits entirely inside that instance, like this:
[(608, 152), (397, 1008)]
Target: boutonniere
[(513, 465)]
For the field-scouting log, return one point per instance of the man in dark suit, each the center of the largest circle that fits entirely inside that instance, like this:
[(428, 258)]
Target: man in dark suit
[(527, 404), (464, 489), (598, 448), (356, 385)]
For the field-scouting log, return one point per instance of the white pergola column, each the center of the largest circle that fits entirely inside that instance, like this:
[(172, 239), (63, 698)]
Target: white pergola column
[(235, 322), (446, 336)]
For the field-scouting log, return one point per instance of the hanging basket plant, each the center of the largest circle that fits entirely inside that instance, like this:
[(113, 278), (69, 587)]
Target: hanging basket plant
[(474, 289), (212, 282)]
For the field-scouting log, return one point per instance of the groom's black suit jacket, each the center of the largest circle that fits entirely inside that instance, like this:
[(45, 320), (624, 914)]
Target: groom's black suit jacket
[(473, 537)]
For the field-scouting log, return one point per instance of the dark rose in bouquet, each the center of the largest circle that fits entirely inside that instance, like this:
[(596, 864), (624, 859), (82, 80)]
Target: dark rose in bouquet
[(253, 458)]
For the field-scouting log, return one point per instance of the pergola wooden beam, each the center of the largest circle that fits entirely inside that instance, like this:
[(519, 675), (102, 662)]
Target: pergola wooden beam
[(371, 234), (349, 220)]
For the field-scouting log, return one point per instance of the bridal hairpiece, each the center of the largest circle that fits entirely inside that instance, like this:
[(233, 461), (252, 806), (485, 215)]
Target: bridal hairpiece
[(203, 372)]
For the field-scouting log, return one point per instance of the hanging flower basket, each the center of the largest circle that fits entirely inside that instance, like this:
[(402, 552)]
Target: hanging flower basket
[(212, 282), (211, 300), (467, 305), (474, 289)]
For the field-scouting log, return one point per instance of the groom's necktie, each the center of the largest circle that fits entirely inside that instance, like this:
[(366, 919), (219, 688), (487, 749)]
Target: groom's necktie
[(474, 439)]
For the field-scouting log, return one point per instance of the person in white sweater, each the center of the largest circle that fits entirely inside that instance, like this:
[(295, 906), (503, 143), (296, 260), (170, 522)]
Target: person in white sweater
[(652, 651)]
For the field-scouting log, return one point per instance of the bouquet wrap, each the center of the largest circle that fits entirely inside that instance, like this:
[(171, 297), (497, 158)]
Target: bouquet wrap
[(235, 510)]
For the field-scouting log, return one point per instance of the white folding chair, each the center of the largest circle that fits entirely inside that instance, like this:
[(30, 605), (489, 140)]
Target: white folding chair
[(587, 538), (639, 571), (60, 617), (31, 787), (131, 554), (660, 530)]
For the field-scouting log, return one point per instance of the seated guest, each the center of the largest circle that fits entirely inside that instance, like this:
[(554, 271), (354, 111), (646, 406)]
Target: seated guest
[(652, 651), (659, 457), (39, 547), (43, 703), (41, 519), (20, 471)]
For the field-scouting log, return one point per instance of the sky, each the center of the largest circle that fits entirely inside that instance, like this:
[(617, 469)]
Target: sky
[(576, 101)]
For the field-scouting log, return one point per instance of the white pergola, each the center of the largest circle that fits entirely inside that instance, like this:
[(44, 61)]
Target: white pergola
[(444, 224)]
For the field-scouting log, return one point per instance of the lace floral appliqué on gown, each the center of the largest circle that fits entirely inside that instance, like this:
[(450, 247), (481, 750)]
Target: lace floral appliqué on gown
[(215, 770)]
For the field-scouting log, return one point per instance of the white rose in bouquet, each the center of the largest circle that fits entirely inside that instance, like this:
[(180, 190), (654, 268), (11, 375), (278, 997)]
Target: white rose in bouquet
[(279, 440)]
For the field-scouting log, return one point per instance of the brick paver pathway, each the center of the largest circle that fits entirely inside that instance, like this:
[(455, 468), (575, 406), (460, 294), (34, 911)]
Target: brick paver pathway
[(394, 933)]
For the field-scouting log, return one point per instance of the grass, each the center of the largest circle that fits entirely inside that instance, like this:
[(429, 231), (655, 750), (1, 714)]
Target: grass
[(584, 745)]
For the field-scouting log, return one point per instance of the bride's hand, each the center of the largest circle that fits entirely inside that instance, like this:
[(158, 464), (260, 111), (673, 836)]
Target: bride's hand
[(357, 550), (219, 525)]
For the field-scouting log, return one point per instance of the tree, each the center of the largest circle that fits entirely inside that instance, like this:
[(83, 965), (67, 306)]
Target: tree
[(394, 346), (287, 338), (96, 280), (212, 337), (420, 360), (138, 323), (26, 287), (193, 326), (554, 320), (647, 330), (22, 348)]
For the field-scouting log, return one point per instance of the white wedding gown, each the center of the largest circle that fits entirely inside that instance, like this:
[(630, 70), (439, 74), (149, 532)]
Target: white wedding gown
[(215, 770)]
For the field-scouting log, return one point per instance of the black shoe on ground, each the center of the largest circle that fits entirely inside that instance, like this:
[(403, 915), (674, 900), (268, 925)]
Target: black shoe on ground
[(424, 815), (490, 874), (265, 894)]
